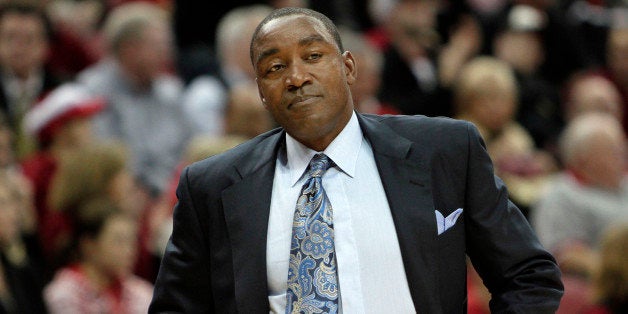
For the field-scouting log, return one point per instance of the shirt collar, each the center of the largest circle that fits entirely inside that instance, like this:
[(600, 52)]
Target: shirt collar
[(343, 151)]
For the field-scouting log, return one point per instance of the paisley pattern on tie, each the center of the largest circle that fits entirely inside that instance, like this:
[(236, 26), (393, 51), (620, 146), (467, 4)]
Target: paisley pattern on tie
[(312, 276)]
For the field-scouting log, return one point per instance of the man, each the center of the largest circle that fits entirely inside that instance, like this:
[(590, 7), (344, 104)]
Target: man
[(589, 195), (143, 99), (616, 63), (390, 181), (24, 46), (587, 198)]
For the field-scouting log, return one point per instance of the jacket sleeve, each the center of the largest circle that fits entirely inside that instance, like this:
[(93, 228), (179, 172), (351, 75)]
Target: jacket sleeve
[(183, 284), (520, 274)]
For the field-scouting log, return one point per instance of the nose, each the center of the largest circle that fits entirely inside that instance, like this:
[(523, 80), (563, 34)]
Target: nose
[(298, 76)]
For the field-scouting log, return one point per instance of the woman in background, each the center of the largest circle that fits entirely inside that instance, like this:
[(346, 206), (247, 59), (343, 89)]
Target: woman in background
[(101, 279)]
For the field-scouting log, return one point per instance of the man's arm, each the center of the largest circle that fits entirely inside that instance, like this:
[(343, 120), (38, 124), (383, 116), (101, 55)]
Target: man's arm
[(184, 281), (520, 274)]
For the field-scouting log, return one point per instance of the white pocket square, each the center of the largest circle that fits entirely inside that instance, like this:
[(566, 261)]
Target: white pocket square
[(444, 223)]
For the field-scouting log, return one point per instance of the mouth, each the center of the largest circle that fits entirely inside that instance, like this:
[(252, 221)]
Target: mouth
[(305, 100)]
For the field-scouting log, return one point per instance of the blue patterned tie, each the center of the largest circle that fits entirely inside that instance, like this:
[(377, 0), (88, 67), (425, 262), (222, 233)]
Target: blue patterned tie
[(312, 277)]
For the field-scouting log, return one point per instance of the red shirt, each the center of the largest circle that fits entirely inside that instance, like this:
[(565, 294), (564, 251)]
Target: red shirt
[(54, 227)]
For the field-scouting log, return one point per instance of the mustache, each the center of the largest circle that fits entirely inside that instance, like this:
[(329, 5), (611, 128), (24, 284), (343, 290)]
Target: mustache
[(301, 98), (300, 95)]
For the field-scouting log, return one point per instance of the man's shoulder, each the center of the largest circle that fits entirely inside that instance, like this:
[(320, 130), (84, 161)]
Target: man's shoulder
[(416, 120), (250, 152), (419, 127)]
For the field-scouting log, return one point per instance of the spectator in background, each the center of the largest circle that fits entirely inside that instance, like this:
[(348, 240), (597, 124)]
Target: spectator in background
[(518, 42), (203, 103), (101, 279), (593, 19), (418, 63), (206, 97), (566, 52), (61, 123), (589, 196), (24, 45), (611, 274), (76, 42), (98, 170), (198, 148), (195, 26), (486, 94), (245, 115), (143, 108), (617, 62), (21, 266), (587, 92), (233, 37), (370, 60), (410, 73)]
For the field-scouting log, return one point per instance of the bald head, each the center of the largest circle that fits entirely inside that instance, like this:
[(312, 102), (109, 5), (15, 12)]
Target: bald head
[(594, 146)]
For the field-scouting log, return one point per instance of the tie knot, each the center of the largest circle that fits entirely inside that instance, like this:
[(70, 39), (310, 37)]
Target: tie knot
[(319, 164)]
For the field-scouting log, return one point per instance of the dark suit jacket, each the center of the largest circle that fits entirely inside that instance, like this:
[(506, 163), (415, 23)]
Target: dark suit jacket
[(216, 257)]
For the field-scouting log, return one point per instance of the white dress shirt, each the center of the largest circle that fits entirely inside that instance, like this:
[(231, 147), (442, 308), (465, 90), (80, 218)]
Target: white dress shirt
[(371, 274)]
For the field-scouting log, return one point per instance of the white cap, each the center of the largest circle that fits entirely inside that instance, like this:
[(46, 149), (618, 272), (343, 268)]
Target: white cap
[(67, 101)]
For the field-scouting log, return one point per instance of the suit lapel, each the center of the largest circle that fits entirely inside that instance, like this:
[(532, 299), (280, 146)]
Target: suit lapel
[(406, 180), (247, 206)]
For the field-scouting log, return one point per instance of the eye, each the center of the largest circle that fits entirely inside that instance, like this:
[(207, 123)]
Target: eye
[(314, 56), (275, 68)]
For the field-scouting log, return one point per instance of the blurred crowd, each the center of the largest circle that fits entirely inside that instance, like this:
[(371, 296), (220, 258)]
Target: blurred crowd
[(103, 102)]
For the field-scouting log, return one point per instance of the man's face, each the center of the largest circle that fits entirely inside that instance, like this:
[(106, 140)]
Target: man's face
[(303, 79), (412, 28), (158, 49), (23, 43), (522, 50), (148, 56), (595, 94), (604, 162)]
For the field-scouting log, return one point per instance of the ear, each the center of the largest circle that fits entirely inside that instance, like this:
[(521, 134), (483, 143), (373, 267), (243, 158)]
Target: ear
[(351, 69), (261, 94)]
